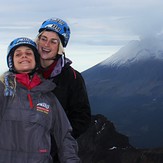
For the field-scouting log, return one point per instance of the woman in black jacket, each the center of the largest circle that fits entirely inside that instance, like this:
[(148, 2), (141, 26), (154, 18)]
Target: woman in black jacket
[(70, 88)]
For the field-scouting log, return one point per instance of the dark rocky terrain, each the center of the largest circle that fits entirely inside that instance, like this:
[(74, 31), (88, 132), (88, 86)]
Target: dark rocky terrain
[(102, 143)]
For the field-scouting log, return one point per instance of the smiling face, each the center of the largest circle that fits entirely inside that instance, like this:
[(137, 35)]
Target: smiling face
[(24, 59), (48, 46)]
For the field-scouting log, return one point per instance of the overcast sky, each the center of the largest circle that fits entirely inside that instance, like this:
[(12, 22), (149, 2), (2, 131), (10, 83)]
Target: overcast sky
[(99, 28)]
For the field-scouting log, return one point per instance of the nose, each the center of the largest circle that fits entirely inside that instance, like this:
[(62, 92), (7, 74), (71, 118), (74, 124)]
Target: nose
[(24, 55), (47, 42)]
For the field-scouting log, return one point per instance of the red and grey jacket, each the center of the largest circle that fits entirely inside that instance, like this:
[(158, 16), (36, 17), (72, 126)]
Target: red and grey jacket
[(25, 131), (71, 92)]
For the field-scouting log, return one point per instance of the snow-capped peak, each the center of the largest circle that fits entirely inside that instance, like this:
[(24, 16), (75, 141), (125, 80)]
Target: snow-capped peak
[(137, 50)]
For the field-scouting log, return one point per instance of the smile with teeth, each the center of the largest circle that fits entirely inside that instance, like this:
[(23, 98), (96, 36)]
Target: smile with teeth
[(46, 50), (24, 62)]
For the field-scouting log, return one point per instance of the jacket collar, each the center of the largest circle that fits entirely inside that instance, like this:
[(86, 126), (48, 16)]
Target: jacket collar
[(28, 81), (56, 67)]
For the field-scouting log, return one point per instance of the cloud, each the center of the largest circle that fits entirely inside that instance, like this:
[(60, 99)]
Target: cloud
[(93, 23)]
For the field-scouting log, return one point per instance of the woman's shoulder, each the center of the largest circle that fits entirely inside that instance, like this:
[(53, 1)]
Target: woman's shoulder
[(47, 84), (8, 83), (70, 71)]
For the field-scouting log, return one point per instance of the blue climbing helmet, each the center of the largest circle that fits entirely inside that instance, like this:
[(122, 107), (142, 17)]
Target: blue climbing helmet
[(15, 44), (59, 26)]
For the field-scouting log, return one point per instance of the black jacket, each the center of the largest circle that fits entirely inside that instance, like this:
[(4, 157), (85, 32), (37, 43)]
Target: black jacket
[(71, 92)]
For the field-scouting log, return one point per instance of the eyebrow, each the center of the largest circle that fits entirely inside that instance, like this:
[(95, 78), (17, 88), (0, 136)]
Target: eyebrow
[(29, 49), (50, 38), (42, 36)]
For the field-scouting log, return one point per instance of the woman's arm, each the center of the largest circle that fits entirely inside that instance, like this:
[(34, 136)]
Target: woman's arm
[(66, 144)]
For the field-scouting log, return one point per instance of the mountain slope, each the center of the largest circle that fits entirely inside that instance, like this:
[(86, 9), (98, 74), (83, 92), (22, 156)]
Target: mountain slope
[(128, 89)]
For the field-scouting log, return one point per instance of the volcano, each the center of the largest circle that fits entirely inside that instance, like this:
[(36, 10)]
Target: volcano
[(127, 88)]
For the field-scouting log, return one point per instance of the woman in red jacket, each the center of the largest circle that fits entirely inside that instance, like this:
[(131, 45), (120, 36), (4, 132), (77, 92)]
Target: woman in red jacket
[(30, 114)]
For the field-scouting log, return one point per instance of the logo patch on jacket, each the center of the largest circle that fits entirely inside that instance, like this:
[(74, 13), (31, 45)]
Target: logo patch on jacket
[(43, 107)]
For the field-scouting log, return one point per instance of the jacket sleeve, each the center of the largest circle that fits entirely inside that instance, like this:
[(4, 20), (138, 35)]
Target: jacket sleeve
[(80, 112), (3, 100), (66, 144)]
